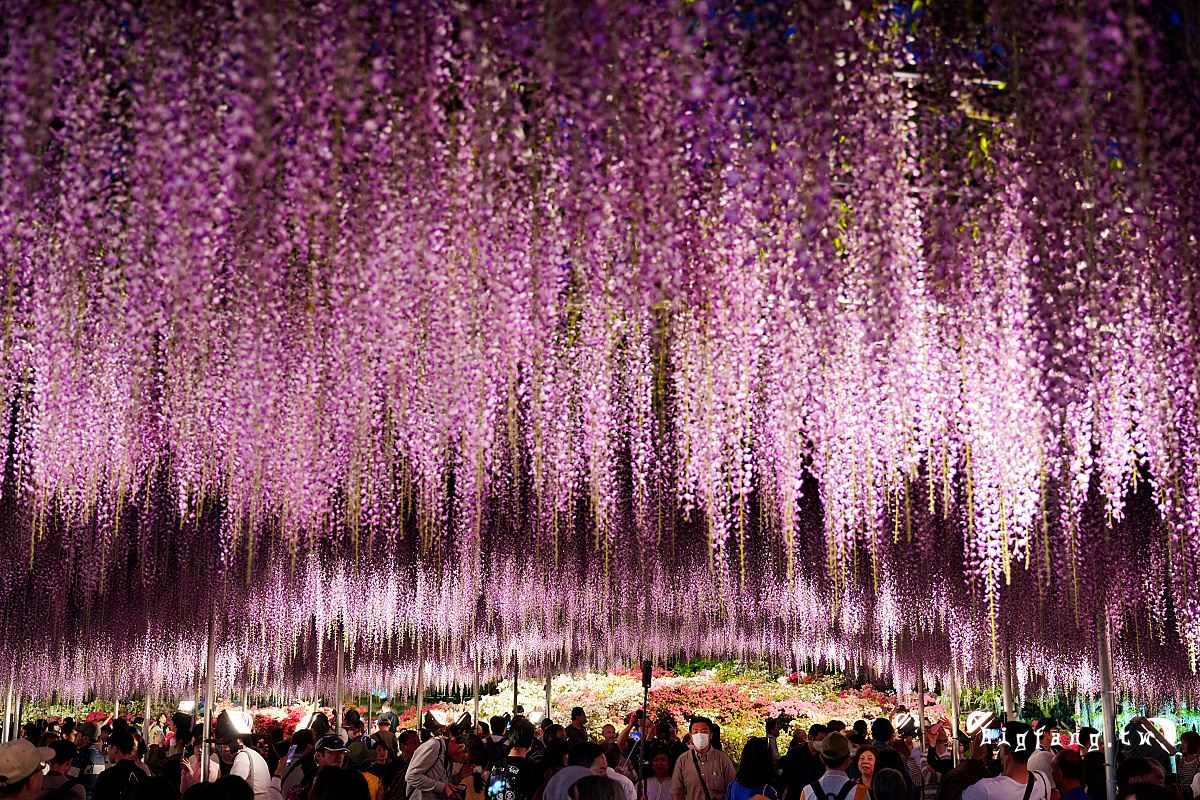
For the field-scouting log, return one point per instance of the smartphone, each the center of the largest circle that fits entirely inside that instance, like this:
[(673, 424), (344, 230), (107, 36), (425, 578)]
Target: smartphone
[(635, 734), (992, 735), (291, 754)]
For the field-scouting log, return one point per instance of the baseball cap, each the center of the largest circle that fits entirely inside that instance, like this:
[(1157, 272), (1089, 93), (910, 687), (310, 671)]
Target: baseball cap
[(351, 719), (89, 730), (20, 759), (331, 742), (836, 747)]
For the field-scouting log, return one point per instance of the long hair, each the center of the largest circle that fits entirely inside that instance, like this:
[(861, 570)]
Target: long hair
[(756, 769)]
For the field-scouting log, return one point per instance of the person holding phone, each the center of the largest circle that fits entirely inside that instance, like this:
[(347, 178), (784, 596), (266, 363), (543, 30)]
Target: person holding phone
[(299, 762), (429, 773)]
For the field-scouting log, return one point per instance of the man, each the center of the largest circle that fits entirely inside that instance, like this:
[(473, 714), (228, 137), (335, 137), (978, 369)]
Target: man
[(882, 733), (802, 765), (429, 776), (773, 726), (122, 772), (385, 733), (56, 778), (21, 769), (1016, 781), (608, 733), (89, 762), (408, 741), (577, 730), (1067, 771), (612, 759), (303, 763), (515, 777), (245, 762), (330, 751), (496, 744), (835, 784), (1139, 769), (355, 729), (703, 773), (1042, 760)]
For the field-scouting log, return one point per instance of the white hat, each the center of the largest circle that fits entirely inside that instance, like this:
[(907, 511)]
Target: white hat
[(20, 759)]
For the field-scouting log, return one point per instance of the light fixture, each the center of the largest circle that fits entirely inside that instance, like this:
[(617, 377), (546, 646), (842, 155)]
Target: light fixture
[(536, 716), (187, 707)]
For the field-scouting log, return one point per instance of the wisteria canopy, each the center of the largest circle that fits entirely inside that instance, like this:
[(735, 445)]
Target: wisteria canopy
[(582, 332)]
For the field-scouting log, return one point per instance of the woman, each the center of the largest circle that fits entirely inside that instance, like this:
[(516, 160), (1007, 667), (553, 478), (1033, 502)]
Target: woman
[(889, 784), (755, 773), (864, 766), (939, 757), (1189, 763), (658, 785)]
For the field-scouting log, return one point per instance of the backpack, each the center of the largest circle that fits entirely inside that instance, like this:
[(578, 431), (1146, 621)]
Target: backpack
[(819, 792)]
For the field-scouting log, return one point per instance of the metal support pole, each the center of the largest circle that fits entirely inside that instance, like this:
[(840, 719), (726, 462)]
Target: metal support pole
[(338, 676), (1108, 702), (420, 690), (210, 699), (954, 709), (117, 708), (921, 705), (516, 675), (549, 693), (475, 711), (370, 708), (146, 718), (16, 726), (1006, 686)]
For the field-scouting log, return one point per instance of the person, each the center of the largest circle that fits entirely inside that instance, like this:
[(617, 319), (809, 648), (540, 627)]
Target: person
[(889, 784), (666, 736), (882, 733), (496, 743), (1140, 769), (302, 764), (386, 765), (514, 776), (1146, 791), (337, 783), (609, 733), (835, 784), (612, 762), (1067, 772), (356, 731), (428, 775), (836, 726), (938, 757), (577, 730), (21, 775), (1016, 781), (245, 763), (802, 765), (559, 787), (191, 765), (658, 783), (755, 773), (385, 733), (861, 727), (955, 782), (864, 766), (56, 778), (157, 732), (122, 772), (89, 762), (329, 751), (773, 726), (1043, 758), (235, 787), (596, 787), (1189, 764), (704, 773)]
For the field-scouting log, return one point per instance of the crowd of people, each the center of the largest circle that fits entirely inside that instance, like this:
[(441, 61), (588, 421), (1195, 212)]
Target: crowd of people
[(511, 758)]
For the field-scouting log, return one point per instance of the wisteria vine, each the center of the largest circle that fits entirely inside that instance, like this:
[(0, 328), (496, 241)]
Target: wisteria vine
[(841, 332)]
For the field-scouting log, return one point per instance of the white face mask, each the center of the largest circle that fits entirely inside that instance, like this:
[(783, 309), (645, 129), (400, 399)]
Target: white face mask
[(700, 740)]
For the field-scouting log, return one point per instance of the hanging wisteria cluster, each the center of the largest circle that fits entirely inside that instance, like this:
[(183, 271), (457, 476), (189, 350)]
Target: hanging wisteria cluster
[(841, 332)]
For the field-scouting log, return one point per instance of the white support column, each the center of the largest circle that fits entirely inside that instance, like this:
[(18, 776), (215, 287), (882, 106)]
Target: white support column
[(549, 693), (921, 703), (7, 712)]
